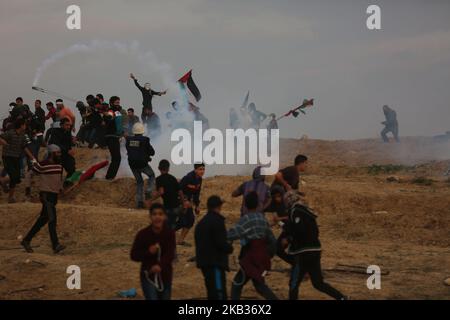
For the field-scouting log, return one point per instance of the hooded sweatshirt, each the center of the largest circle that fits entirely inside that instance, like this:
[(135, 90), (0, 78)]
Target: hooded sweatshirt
[(258, 185)]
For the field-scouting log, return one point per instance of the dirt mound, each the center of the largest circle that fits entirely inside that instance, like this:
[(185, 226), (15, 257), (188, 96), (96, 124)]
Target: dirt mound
[(365, 218)]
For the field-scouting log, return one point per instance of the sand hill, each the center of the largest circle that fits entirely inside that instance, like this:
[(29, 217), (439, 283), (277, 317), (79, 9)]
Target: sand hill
[(382, 204)]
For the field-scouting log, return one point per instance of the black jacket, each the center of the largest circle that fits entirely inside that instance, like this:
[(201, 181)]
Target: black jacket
[(139, 151), (211, 245), (61, 138), (302, 230), (39, 116), (147, 95)]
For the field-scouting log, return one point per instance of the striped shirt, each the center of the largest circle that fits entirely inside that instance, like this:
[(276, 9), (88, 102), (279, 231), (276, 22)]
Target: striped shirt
[(50, 176), (16, 143), (251, 226)]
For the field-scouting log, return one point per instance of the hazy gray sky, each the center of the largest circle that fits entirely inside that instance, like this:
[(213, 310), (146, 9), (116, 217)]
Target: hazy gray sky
[(282, 51)]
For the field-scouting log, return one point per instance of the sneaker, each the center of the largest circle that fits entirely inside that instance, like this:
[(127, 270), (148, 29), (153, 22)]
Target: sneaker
[(27, 246), (58, 248)]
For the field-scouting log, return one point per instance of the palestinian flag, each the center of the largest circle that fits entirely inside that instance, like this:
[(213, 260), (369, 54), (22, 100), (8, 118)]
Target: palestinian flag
[(187, 81)]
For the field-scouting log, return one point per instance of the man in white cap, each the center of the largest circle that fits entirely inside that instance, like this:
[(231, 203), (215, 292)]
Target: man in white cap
[(50, 172), (140, 152)]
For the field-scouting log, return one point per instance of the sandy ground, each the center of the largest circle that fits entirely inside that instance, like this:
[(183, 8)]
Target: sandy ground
[(402, 226)]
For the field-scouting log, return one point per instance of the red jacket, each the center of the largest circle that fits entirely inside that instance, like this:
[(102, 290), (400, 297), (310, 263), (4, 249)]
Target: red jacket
[(140, 250), (255, 259), (51, 114)]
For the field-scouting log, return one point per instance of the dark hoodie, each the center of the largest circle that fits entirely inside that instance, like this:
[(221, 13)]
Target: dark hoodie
[(211, 245), (302, 231), (258, 185)]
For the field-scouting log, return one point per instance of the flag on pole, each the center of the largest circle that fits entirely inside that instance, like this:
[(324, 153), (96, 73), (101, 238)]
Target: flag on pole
[(187, 81), (245, 103)]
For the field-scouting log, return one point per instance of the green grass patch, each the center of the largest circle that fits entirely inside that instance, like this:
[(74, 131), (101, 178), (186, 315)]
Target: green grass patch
[(422, 181)]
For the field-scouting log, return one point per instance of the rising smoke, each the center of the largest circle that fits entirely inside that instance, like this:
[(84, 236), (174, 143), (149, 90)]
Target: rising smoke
[(149, 61)]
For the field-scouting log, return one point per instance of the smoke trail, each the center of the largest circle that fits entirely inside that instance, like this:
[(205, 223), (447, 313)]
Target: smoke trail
[(183, 116), (146, 58)]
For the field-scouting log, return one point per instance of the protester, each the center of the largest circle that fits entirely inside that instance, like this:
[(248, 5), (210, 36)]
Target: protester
[(288, 178), (94, 121), (18, 109), (147, 94), (276, 206), (37, 128), (100, 97), (258, 185), (65, 112), (390, 125), (169, 189), (140, 152), (234, 119), (155, 247), (257, 248), (39, 114), (132, 120), (8, 122), (212, 249), (273, 124), (113, 133), (302, 241), (50, 185), (256, 116), (191, 185), (279, 217), (62, 137), (198, 116), (51, 111), (82, 133), (14, 143)]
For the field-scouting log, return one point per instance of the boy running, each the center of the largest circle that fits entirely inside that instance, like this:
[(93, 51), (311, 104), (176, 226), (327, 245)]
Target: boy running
[(50, 172), (168, 188), (257, 246), (154, 247), (304, 246), (258, 185), (191, 185), (212, 249), (289, 178)]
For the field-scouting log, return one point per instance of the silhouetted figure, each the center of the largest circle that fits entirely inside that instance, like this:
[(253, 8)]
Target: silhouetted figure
[(390, 125)]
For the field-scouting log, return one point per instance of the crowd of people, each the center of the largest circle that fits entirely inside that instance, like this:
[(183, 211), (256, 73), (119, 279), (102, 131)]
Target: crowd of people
[(263, 207), (104, 125)]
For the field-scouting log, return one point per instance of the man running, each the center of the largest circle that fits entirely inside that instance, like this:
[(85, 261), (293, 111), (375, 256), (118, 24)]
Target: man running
[(50, 185), (390, 125)]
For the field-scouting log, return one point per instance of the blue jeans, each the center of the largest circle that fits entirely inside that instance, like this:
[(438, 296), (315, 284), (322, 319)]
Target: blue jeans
[(150, 291), (148, 171)]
